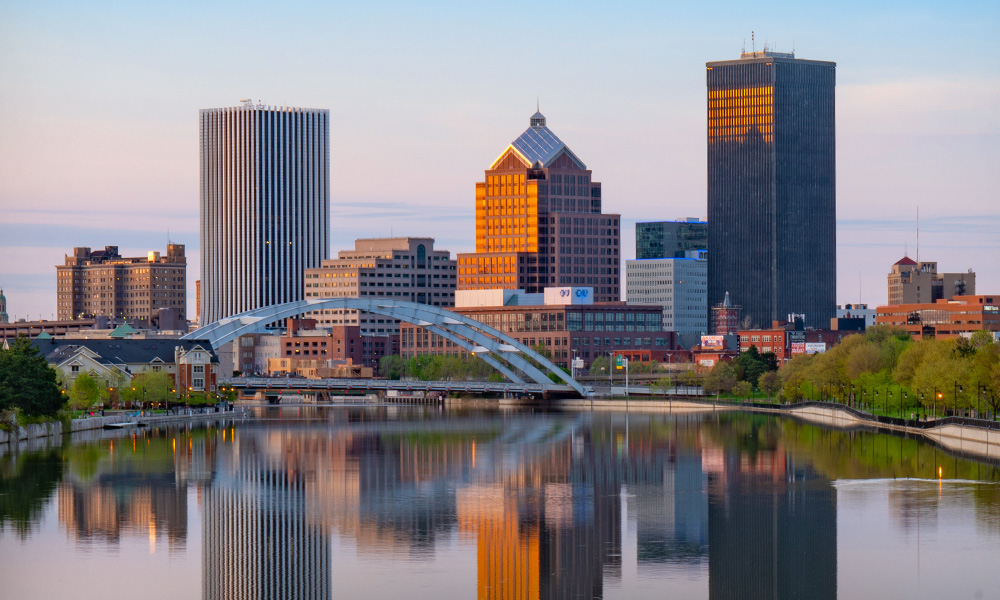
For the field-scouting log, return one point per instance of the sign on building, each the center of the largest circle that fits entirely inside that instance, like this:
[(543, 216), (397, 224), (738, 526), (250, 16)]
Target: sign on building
[(815, 347), (713, 342), (569, 295)]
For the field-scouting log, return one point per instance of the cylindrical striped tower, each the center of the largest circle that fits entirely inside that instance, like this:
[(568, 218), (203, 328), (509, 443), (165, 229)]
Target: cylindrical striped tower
[(265, 204)]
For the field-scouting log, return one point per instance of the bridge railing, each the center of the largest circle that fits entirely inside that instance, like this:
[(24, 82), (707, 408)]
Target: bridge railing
[(302, 383)]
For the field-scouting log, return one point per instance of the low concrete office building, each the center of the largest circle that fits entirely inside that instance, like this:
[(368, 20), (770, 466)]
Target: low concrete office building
[(960, 316), (565, 320), (678, 284), (405, 268)]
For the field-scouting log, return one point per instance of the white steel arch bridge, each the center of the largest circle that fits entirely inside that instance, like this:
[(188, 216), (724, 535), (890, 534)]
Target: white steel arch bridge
[(511, 358)]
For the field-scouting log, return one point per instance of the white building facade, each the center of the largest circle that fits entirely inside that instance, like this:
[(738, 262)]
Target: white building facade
[(679, 285), (265, 204)]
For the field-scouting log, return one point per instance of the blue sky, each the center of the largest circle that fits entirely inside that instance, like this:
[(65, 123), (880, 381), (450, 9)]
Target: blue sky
[(99, 101)]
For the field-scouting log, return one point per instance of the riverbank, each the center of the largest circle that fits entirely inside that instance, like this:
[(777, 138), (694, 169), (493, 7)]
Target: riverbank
[(974, 437), (38, 436)]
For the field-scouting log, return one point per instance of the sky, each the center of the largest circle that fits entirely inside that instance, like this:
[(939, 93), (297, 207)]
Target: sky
[(99, 117)]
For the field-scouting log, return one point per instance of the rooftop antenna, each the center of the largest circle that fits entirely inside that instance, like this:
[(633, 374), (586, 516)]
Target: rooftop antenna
[(753, 43), (537, 105), (918, 233)]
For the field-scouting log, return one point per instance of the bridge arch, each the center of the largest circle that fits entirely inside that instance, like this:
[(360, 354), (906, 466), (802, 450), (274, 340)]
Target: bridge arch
[(499, 350)]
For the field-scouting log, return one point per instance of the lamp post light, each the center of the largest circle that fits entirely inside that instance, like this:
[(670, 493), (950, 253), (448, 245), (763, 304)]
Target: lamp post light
[(958, 390), (979, 394), (937, 396), (888, 401), (875, 402), (905, 401)]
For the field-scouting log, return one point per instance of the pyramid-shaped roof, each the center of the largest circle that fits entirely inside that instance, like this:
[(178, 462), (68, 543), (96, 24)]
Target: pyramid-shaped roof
[(538, 146), (122, 331), (906, 260)]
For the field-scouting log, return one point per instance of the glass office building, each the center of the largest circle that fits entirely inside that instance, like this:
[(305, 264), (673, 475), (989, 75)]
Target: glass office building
[(670, 239), (539, 222), (265, 205), (772, 186)]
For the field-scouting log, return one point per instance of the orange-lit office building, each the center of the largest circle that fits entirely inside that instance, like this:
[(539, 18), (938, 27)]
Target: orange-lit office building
[(539, 222), (944, 318)]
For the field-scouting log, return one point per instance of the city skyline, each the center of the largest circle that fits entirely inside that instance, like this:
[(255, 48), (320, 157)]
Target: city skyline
[(101, 134)]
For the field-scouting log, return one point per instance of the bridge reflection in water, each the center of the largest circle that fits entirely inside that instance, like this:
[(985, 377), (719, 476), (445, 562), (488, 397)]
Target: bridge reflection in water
[(421, 502)]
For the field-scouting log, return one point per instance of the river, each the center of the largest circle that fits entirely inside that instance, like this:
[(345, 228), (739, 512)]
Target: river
[(425, 502)]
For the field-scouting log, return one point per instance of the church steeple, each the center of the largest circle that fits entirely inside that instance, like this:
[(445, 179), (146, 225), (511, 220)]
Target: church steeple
[(3, 308)]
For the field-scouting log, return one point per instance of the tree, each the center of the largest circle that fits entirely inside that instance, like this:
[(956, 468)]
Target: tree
[(749, 366), (27, 381), (152, 386), (600, 366), (721, 378), (157, 384), (742, 389), (85, 392), (769, 383)]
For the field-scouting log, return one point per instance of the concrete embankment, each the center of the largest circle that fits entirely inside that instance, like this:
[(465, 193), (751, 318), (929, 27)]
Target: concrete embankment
[(969, 438), (44, 435)]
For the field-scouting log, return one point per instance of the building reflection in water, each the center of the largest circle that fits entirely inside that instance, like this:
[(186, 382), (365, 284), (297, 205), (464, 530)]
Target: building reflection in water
[(125, 492), (772, 525), (745, 500), (257, 541)]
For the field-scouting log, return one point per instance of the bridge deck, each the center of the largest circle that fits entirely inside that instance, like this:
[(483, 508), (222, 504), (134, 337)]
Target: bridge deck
[(376, 385)]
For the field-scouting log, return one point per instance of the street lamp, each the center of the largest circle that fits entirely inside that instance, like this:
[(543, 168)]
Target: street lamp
[(958, 390), (937, 396)]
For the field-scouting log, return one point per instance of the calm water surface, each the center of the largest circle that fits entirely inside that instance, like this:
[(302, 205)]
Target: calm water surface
[(384, 502)]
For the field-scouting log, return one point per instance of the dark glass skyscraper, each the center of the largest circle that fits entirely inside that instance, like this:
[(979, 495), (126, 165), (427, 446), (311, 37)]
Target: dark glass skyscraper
[(772, 187)]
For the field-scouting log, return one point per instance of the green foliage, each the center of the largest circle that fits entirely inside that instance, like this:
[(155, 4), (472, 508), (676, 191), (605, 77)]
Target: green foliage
[(153, 387), (27, 382), (600, 366), (742, 389), (391, 366), (84, 392), (663, 383), (438, 367), (769, 383), (27, 482), (943, 374), (721, 378), (750, 365)]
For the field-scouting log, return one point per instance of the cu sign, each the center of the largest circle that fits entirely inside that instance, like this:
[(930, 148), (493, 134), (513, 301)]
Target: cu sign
[(582, 293)]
